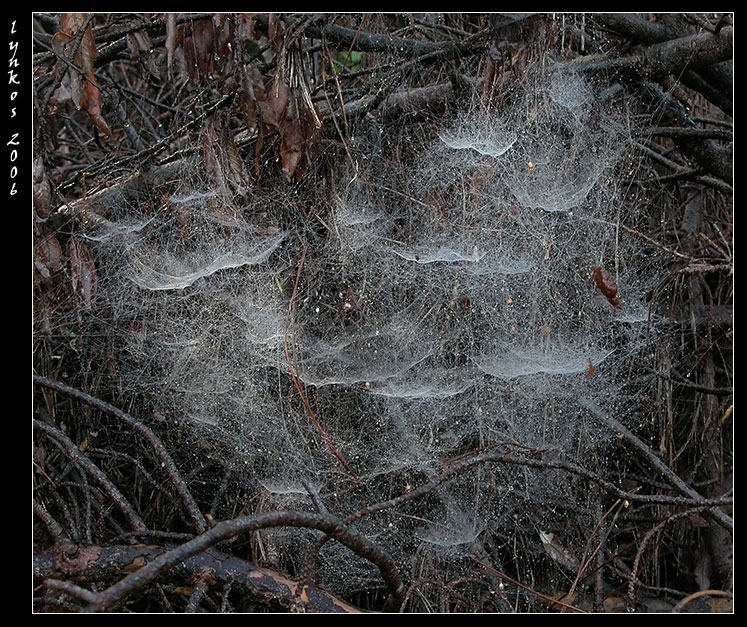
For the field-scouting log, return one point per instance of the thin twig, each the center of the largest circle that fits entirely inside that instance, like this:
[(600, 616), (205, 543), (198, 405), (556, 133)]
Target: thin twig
[(633, 578), (72, 451), (488, 569), (193, 511), (657, 463), (586, 561), (297, 383)]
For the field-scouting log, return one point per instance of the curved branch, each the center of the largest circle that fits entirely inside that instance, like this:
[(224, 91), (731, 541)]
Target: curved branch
[(100, 563), (119, 592)]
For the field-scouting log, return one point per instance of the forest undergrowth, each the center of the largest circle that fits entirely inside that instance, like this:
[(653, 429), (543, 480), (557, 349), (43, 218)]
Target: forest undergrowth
[(403, 313)]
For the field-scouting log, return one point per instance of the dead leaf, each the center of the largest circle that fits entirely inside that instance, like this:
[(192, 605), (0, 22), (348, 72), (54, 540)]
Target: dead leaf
[(558, 552), (81, 86), (209, 157), (83, 275), (199, 48), (234, 169), (276, 31), (274, 106), (245, 27), (93, 109), (225, 27), (137, 42), (284, 111), (47, 258), (591, 370), (606, 286), (251, 91), (222, 159), (42, 191)]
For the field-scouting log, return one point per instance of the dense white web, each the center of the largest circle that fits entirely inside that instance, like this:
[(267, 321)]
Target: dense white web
[(443, 315)]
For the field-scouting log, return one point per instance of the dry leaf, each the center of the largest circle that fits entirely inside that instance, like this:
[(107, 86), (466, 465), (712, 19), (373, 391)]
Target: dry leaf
[(47, 257), (606, 286), (138, 42), (558, 552), (42, 191), (82, 90), (83, 275), (199, 50), (222, 159), (250, 94)]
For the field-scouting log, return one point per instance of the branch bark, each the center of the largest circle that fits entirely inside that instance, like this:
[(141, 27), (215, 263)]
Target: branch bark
[(715, 82), (118, 593), (271, 589), (656, 60)]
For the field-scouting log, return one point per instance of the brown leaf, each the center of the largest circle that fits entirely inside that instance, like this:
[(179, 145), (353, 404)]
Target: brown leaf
[(299, 134), (245, 27), (138, 42), (87, 52), (47, 257), (606, 286), (222, 159), (71, 87), (274, 106), (199, 49), (292, 139), (83, 91), (234, 169), (42, 191), (83, 275), (209, 156), (94, 109), (247, 102), (275, 31), (225, 28)]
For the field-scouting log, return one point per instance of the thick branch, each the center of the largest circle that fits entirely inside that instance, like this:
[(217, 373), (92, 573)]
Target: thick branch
[(362, 41), (656, 60), (119, 592), (102, 563), (715, 82)]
